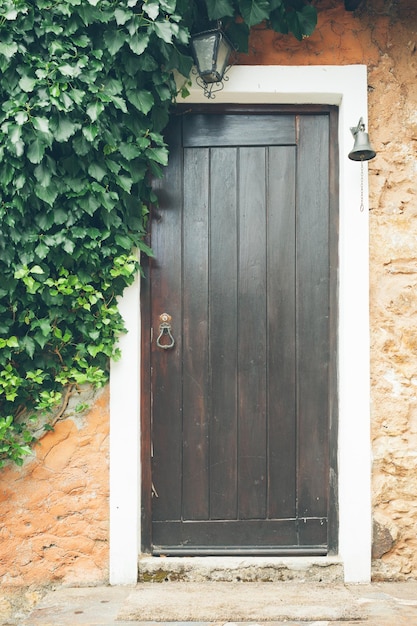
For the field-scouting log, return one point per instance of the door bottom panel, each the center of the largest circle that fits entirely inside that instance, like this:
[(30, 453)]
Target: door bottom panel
[(289, 536)]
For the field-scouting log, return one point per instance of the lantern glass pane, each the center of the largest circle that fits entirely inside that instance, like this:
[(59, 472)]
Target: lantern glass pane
[(204, 48), (223, 54)]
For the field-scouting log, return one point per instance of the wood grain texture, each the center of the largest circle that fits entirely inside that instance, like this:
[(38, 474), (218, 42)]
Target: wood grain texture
[(242, 442)]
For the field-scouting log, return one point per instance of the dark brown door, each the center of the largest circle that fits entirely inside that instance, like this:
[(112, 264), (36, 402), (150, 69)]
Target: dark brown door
[(241, 432)]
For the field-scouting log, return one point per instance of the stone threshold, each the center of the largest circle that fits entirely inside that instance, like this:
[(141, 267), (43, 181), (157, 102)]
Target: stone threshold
[(326, 569)]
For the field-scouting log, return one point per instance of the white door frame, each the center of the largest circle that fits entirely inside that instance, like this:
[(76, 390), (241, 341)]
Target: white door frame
[(346, 87)]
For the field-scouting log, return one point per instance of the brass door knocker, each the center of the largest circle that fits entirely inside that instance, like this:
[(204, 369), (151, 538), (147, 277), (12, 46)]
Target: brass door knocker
[(165, 334)]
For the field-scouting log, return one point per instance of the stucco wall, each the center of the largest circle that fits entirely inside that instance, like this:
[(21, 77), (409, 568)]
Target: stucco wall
[(54, 510)]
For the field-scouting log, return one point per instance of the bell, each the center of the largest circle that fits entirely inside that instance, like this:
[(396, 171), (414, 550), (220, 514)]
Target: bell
[(362, 149)]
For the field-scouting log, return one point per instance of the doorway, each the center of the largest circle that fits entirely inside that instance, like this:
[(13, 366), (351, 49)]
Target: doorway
[(240, 446)]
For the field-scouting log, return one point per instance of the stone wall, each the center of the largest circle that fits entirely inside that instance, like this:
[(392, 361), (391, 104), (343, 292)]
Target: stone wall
[(393, 245), (54, 510)]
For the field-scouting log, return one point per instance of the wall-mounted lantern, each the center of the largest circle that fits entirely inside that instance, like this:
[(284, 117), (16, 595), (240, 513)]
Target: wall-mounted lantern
[(211, 51)]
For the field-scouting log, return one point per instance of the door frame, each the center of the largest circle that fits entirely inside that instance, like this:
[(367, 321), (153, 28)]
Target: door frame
[(345, 87), (146, 303)]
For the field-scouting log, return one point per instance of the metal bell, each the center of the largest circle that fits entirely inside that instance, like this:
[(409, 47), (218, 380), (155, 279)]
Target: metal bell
[(362, 149)]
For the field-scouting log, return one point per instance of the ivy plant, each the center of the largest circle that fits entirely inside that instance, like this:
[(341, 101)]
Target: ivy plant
[(86, 88)]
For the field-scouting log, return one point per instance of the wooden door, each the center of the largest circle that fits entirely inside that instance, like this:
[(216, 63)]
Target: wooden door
[(241, 434)]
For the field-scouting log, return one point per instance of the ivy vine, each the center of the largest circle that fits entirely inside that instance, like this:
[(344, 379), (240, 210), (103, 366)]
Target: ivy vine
[(86, 88)]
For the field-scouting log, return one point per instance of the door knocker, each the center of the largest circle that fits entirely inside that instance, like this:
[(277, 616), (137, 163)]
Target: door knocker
[(165, 334)]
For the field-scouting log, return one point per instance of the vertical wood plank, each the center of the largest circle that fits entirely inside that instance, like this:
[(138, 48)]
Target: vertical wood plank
[(146, 412), (281, 333), (313, 304), (223, 334), (166, 286), (195, 335), (333, 524), (252, 434)]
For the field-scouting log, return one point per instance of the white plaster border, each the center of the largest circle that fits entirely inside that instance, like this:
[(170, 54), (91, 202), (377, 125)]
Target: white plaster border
[(346, 87)]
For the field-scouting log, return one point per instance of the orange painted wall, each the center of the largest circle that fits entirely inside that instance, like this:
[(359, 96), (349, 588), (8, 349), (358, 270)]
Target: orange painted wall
[(340, 38), (54, 510)]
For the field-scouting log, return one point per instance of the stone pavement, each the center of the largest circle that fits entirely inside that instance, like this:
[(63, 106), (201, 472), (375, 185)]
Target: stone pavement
[(214, 604)]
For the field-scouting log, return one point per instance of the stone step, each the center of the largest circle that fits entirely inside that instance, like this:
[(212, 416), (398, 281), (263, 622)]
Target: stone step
[(240, 569), (224, 603)]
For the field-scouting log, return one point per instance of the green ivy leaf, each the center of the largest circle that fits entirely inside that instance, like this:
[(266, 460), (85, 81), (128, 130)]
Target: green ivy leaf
[(141, 100), (63, 128), (41, 250), (97, 171), (6, 174), (10, 14), (122, 16), (217, 9), (125, 183), (36, 151), (139, 43), (44, 326), (119, 103), (44, 220), (43, 175), (114, 41), (182, 62), (8, 49), (124, 242), (28, 344), (164, 30), (254, 11), (302, 23), (40, 123), (68, 246), (71, 71), (12, 342), (278, 21), (160, 155), (60, 216), (129, 151), (90, 132), (94, 110), (168, 5), (27, 84), (146, 249), (47, 194), (151, 9), (82, 41)]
